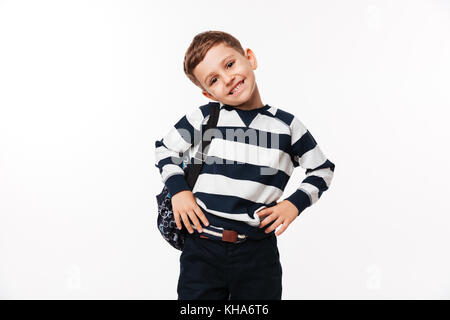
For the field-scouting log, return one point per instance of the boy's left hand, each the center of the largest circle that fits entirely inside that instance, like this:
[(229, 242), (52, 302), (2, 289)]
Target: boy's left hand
[(283, 213)]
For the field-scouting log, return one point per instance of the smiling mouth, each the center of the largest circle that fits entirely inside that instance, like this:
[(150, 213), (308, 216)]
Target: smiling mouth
[(237, 89)]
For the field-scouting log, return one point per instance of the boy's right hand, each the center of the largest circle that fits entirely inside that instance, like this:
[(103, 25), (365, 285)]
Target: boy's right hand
[(185, 206)]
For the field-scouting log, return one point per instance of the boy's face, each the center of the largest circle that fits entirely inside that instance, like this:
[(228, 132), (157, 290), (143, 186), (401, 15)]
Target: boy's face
[(222, 69)]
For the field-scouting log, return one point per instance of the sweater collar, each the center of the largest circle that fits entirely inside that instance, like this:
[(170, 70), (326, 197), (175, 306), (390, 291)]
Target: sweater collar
[(230, 108), (247, 116)]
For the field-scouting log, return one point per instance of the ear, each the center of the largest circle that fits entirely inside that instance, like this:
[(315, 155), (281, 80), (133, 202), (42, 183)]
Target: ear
[(251, 57), (209, 96)]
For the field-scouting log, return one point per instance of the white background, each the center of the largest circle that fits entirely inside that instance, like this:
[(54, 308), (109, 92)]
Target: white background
[(86, 87)]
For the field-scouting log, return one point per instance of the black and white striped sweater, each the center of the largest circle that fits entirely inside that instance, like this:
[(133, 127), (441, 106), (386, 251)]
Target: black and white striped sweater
[(249, 161)]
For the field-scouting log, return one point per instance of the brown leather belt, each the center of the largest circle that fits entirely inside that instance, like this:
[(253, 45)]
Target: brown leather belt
[(227, 236)]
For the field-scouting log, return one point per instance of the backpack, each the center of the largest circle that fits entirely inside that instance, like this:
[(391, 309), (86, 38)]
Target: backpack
[(166, 220)]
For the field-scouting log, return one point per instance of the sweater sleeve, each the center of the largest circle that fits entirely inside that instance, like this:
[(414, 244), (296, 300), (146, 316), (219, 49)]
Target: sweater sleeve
[(170, 149), (305, 152)]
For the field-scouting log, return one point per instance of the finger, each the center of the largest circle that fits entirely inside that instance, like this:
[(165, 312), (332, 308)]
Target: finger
[(186, 222), (201, 215), (274, 225), (264, 212), (282, 229), (268, 220), (176, 215), (195, 221)]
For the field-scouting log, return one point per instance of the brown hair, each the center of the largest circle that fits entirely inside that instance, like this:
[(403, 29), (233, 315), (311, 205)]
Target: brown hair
[(201, 44)]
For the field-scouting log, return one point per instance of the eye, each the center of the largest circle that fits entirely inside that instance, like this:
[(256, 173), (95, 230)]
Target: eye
[(212, 82)]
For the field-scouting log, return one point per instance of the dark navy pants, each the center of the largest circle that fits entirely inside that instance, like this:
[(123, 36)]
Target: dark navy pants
[(217, 270)]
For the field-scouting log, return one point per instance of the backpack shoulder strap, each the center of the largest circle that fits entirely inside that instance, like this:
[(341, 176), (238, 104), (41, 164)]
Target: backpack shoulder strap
[(194, 171)]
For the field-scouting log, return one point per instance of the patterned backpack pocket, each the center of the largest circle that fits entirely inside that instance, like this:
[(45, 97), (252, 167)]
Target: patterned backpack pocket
[(166, 221)]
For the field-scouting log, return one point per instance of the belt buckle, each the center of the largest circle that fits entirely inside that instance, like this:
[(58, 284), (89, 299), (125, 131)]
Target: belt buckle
[(229, 236)]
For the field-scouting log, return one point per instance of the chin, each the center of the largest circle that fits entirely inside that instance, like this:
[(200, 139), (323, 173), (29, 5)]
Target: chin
[(241, 100)]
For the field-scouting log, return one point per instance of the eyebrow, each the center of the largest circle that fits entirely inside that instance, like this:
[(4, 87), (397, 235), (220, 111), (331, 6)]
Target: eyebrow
[(223, 61)]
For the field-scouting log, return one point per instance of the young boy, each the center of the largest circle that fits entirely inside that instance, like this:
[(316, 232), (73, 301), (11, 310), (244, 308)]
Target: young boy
[(232, 212)]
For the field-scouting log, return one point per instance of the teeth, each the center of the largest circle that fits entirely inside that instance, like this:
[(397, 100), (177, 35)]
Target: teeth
[(237, 87)]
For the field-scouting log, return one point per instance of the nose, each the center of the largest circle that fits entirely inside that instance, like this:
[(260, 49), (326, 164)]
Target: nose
[(229, 80)]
